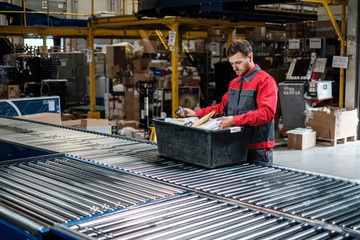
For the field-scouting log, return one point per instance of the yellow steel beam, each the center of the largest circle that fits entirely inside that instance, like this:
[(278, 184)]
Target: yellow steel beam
[(338, 2), (230, 38), (92, 113), (187, 50), (24, 8), (161, 37), (194, 35), (52, 13), (120, 33), (66, 32), (49, 31), (333, 21), (90, 41), (44, 47), (143, 34), (175, 71)]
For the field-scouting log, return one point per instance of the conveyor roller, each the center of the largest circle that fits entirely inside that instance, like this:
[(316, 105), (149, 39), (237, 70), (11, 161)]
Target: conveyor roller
[(62, 189), (308, 196), (192, 216)]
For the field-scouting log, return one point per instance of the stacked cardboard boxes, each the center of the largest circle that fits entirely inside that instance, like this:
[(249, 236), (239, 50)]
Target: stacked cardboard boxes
[(192, 77), (132, 104), (114, 106), (326, 29), (300, 30), (257, 34), (116, 60), (159, 71), (10, 91)]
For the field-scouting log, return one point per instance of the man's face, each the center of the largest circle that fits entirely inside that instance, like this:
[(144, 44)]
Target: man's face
[(241, 64)]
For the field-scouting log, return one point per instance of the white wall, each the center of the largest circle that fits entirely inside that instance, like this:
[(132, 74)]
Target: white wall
[(335, 9)]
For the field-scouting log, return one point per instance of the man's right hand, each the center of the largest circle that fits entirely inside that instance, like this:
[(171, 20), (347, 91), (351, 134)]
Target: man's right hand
[(189, 112)]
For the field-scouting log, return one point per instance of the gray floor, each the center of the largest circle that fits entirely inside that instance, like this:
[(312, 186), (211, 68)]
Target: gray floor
[(342, 161)]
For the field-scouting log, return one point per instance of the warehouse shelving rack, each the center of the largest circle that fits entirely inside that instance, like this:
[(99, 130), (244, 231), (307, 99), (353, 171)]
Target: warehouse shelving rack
[(133, 26)]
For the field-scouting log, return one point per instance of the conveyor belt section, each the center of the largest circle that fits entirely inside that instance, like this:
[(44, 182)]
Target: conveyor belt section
[(192, 216), (61, 189), (310, 196), (329, 200), (77, 143)]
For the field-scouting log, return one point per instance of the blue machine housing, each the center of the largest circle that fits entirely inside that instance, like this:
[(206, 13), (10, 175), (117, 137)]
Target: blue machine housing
[(37, 19), (228, 9)]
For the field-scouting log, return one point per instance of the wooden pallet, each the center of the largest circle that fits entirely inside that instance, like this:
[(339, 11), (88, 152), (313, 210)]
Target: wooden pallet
[(333, 142)]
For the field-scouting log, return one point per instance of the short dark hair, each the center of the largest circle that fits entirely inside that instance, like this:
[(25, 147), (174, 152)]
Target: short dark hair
[(241, 45)]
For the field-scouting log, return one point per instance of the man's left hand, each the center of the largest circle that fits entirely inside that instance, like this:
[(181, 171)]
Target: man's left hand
[(227, 122)]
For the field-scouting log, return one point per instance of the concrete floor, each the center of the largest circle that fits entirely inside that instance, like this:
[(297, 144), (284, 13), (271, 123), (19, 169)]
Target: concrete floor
[(342, 161)]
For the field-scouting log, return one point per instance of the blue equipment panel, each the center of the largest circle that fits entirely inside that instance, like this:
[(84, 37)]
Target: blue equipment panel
[(9, 231), (26, 106), (12, 151)]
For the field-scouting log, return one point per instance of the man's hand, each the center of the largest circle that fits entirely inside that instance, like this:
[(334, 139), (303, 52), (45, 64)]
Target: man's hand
[(227, 122), (189, 112)]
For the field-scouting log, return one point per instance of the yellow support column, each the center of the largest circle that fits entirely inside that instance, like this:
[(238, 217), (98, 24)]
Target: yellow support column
[(44, 48), (230, 37), (341, 34), (143, 34), (162, 39), (92, 113), (175, 72), (24, 8)]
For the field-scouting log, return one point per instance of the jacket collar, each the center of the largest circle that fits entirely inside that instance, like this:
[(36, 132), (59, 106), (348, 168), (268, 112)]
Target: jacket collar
[(251, 74)]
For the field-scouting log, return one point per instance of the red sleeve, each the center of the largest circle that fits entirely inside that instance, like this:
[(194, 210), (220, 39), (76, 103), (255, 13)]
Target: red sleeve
[(219, 108), (266, 100)]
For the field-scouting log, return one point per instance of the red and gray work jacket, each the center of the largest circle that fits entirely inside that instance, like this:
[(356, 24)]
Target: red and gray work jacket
[(251, 99)]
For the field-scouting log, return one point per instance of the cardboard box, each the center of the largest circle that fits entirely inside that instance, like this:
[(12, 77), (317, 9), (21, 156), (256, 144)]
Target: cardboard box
[(132, 104), (214, 35), (326, 24), (67, 116), (71, 123), (141, 64), (52, 118), (141, 76), (326, 33), (94, 122), (333, 122), (115, 55), (301, 140), (10, 91), (127, 123), (159, 64)]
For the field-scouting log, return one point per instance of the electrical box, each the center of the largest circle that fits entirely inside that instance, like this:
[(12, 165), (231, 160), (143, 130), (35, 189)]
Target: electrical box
[(320, 90)]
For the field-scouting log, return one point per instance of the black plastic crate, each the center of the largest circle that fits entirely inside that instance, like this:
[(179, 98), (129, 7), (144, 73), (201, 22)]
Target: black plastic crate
[(206, 148)]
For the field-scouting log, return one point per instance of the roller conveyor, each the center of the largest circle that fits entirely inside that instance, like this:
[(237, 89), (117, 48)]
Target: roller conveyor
[(311, 197), (58, 190), (192, 216)]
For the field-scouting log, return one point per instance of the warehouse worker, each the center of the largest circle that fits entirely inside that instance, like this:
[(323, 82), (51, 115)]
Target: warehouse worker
[(251, 100)]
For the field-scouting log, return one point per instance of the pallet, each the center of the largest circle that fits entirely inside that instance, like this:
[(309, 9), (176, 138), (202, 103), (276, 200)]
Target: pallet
[(333, 142)]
